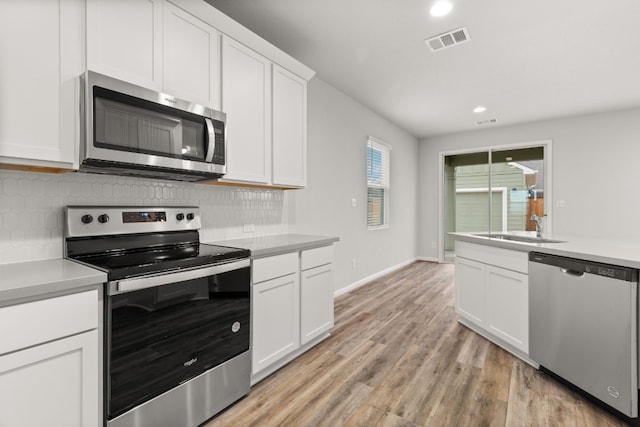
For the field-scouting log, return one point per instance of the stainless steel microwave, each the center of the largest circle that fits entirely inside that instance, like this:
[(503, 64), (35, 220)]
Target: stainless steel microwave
[(134, 131)]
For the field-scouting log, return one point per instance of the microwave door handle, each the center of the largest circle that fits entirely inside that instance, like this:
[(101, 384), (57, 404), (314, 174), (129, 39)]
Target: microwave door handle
[(211, 145)]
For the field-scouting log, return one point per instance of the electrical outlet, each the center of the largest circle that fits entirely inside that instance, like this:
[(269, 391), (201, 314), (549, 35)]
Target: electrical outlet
[(354, 203), (433, 245), (353, 263), (249, 228)]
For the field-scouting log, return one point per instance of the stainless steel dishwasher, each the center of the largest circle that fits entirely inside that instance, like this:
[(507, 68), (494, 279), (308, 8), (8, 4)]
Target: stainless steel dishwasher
[(583, 326)]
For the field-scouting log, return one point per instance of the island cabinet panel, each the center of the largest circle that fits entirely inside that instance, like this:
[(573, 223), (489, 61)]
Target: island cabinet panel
[(470, 289), (492, 294), (507, 315)]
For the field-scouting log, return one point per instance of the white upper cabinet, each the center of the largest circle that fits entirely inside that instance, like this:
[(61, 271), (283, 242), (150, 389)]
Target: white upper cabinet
[(185, 48), (157, 45), (289, 129), (191, 58), (246, 98), (41, 52), (266, 108), (124, 40)]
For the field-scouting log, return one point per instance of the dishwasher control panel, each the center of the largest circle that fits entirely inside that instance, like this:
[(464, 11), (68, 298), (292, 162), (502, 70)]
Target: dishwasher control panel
[(578, 267)]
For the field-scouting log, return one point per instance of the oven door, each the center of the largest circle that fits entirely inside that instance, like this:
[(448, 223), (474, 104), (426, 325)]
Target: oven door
[(160, 336)]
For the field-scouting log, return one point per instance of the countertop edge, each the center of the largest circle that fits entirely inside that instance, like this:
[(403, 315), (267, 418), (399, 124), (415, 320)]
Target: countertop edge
[(270, 245), (574, 247), (33, 280)]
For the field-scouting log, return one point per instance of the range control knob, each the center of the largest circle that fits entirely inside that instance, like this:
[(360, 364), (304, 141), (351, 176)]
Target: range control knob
[(103, 218), (180, 216), (86, 219), (190, 216)]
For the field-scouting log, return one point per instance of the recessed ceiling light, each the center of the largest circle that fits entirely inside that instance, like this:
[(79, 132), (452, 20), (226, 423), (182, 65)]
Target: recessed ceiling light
[(480, 109), (441, 8)]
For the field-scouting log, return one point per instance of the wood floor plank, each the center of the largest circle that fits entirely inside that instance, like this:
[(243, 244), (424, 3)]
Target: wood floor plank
[(397, 357)]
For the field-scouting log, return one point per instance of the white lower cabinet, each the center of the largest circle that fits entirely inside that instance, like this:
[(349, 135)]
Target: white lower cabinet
[(276, 310), (49, 362), (316, 294), (507, 305), (492, 293), (53, 384), (470, 289), (292, 307)]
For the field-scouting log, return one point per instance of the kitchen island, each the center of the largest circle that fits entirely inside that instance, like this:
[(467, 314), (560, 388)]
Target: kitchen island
[(492, 278), (565, 304)]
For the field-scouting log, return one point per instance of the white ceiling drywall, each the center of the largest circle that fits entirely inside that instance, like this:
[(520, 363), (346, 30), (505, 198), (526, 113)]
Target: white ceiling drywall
[(526, 61)]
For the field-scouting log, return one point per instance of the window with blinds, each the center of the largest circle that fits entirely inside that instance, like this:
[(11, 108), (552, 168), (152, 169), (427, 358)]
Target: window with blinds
[(378, 182)]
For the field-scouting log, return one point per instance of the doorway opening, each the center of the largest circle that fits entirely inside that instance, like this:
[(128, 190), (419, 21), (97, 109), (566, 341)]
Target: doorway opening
[(494, 190)]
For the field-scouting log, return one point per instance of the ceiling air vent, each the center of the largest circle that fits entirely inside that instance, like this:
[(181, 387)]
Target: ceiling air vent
[(486, 122), (448, 39)]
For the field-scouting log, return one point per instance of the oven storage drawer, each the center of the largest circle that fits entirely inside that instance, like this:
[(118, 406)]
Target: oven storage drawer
[(274, 266), (315, 257), (47, 320)]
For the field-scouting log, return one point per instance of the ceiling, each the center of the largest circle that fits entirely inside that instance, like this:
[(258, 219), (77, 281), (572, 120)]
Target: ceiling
[(525, 61)]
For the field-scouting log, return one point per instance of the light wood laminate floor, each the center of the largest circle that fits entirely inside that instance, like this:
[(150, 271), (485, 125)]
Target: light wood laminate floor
[(398, 357)]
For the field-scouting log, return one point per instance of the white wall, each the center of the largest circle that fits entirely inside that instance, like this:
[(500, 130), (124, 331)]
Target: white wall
[(337, 138), (595, 164)]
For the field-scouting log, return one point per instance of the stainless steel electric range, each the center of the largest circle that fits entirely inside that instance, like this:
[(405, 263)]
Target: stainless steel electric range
[(176, 313)]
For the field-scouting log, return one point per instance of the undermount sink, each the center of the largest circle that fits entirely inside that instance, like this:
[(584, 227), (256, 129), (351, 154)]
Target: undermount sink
[(517, 238)]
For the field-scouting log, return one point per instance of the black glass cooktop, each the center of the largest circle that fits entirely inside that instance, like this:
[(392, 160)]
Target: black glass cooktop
[(137, 255)]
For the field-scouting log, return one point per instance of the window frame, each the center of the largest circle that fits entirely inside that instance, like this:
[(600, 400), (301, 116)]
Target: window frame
[(381, 174)]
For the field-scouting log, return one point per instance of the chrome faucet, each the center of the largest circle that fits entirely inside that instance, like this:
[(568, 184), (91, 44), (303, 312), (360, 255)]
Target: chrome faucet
[(535, 218)]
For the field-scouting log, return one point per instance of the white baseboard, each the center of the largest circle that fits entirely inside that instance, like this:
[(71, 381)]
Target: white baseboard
[(428, 259), (368, 279)]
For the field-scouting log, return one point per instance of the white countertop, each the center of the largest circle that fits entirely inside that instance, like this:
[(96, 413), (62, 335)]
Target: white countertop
[(261, 246), (31, 279), (609, 251)]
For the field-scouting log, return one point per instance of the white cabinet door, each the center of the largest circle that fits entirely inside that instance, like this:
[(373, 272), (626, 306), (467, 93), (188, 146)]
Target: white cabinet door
[(190, 57), (124, 40), (246, 98), (54, 384), (316, 302), (289, 129), (276, 320), (41, 57), (507, 312), (470, 289)]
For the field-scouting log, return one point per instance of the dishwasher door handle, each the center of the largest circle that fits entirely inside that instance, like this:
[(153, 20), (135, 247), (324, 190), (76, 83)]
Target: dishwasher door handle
[(573, 273)]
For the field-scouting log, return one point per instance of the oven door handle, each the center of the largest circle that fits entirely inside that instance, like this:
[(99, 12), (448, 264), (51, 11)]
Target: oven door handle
[(129, 285)]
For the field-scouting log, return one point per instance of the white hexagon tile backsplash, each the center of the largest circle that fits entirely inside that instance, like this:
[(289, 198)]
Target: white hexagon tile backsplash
[(31, 208)]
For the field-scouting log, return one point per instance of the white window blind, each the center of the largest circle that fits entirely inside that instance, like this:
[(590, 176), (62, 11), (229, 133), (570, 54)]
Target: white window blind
[(378, 182)]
